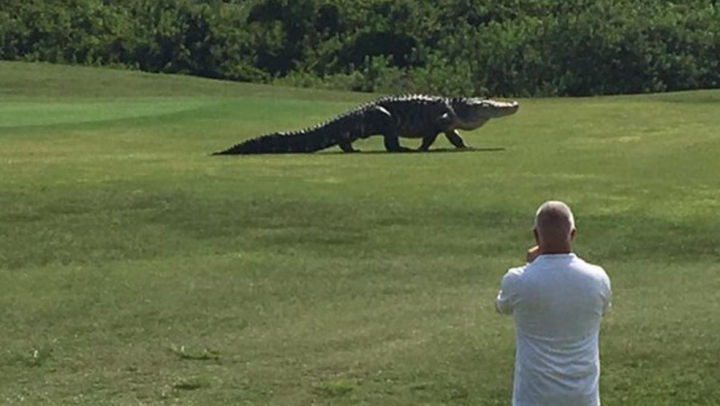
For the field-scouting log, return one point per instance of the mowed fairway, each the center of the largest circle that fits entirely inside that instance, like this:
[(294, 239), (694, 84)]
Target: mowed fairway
[(135, 269)]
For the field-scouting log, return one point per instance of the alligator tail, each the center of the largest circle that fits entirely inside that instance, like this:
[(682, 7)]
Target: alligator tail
[(282, 143)]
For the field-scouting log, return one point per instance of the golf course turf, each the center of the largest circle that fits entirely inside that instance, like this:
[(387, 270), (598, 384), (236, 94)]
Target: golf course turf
[(136, 269)]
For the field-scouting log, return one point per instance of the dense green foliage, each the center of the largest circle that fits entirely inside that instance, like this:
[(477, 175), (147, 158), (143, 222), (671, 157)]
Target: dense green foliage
[(510, 47)]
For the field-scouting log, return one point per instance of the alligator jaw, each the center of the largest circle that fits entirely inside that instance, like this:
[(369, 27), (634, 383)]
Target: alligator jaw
[(474, 112), (502, 108)]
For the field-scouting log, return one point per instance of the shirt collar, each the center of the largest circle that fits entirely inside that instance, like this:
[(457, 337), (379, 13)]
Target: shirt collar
[(557, 256)]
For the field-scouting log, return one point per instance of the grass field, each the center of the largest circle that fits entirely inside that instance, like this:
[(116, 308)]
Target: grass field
[(137, 270)]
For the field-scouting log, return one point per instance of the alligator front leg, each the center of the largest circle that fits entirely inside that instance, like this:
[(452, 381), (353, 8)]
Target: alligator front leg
[(455, 139)]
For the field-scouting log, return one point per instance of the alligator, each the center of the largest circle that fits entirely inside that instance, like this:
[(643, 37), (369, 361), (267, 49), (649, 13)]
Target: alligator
[(407, 116)]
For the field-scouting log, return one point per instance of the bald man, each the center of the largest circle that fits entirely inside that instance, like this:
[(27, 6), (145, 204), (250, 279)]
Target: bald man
[(557, 301)]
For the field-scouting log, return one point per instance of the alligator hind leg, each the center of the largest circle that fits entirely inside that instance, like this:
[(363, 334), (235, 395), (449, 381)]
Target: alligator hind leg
[(346, 146), (384, 124), (388, 129), (392, 142)]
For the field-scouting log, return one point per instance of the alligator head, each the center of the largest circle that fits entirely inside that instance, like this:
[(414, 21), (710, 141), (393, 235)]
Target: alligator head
[(473, 112)]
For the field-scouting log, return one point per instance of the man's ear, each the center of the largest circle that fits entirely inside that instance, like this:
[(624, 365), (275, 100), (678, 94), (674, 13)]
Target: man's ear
[(537, 237), (572, 235)]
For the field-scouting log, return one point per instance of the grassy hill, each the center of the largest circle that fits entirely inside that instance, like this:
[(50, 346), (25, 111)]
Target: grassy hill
[(137, 269)]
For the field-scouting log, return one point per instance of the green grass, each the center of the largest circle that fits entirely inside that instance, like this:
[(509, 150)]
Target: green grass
[(137, 270)]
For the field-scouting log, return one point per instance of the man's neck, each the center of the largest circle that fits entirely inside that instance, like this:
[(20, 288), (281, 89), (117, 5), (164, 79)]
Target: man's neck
[(555, 250)]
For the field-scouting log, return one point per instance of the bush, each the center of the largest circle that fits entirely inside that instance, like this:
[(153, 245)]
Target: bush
[(520, 48)]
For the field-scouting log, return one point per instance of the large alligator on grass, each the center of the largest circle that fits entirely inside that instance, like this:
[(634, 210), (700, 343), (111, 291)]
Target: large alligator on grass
[(393, 117)]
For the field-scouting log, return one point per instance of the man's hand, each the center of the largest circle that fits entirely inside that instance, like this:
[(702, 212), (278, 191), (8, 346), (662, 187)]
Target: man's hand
[(533, 253)]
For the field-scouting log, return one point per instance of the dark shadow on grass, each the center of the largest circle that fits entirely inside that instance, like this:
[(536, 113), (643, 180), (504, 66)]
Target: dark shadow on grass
[(378, 151), (432, 151)]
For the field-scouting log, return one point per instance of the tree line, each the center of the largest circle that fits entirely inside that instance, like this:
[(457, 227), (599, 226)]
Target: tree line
[(453, 47)]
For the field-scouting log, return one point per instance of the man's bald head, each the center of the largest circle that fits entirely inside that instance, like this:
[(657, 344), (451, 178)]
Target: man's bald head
[(554, 226)]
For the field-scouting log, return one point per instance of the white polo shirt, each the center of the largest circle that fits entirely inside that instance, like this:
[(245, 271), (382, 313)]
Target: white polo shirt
[(557, 302)]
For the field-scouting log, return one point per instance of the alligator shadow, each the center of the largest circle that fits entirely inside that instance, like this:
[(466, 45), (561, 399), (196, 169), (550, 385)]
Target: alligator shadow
[(432, 151)]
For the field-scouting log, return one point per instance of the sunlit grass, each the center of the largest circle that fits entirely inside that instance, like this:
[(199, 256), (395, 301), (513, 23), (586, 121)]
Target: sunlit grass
[(137, 269)]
